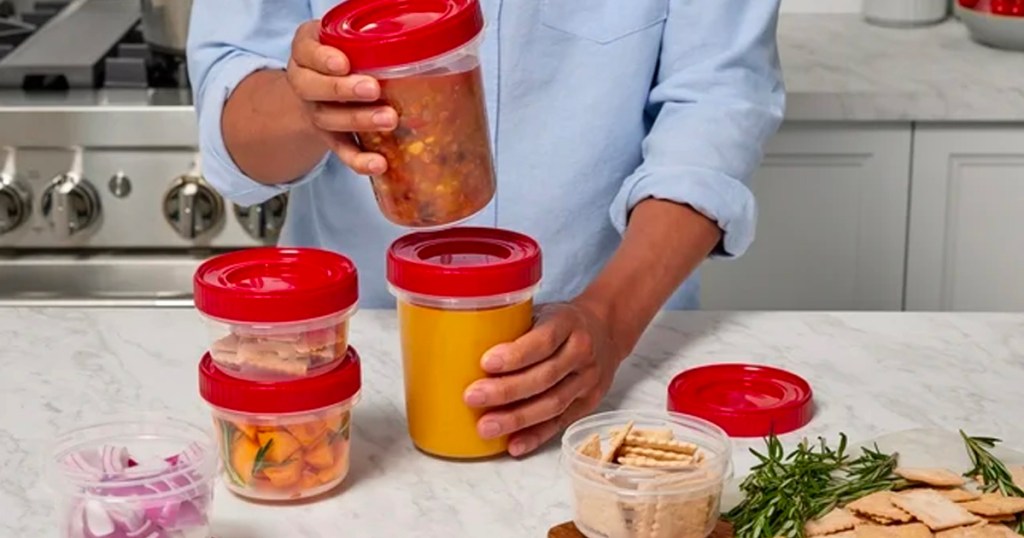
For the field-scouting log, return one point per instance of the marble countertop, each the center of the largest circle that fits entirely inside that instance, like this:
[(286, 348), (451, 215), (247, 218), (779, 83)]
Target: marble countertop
[(873, 374), (839, 68)]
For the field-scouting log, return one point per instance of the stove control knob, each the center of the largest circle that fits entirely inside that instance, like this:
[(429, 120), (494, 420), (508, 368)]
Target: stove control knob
[(192, 207), (264, 221), (70, 205), (15, 204)]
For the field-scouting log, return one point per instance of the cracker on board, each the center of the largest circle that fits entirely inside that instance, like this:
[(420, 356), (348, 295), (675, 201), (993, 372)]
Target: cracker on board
[(993, 504), (663, 455), (591, 448), (652, 463), (660, 434), (617, 441), (844, 534), (978, 531), (660, 444), (835, 521), (937, 477), (878, 506), (958, 495), (908, 530), (932, 509)]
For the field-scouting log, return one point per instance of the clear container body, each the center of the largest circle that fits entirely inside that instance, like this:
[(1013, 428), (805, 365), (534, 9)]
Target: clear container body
[(440, 165), (146, 475), (280, 457), (618, 501), (279, 351), (443, 341)]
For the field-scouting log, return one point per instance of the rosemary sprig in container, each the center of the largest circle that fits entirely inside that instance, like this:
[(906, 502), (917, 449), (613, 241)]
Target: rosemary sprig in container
[(785, 491), (990, 471)]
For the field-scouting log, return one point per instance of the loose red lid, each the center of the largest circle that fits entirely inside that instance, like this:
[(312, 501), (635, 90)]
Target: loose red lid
[(377, 34), (464, 262), (745, 400), (275, 285), (292, 396)]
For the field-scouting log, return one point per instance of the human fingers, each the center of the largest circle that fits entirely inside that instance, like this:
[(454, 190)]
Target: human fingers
[(361, 162), (553, 326), (340, 118)]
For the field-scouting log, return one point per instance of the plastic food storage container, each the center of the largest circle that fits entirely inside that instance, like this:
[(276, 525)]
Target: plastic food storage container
[(460, 292), (277, 313), (287, 439), (663, 479), (425, 55), (145, 475)]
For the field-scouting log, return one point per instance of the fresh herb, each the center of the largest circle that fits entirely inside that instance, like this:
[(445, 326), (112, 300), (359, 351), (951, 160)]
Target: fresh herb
[(259, 463), (785, 491), (990, 472), (227, 432), (342, 433)]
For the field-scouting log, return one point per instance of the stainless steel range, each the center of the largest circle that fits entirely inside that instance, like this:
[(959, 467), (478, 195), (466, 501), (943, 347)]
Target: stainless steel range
[(102, 199)]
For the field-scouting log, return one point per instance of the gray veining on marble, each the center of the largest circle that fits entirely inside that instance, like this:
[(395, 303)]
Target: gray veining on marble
[(839, 68), (872, 373)]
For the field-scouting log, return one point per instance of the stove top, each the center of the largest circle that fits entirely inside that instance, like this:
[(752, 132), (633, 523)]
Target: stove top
[(82, 44)]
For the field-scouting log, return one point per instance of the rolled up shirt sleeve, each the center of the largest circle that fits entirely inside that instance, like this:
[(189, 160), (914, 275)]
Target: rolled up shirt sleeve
[(228, 41), (717, 98)]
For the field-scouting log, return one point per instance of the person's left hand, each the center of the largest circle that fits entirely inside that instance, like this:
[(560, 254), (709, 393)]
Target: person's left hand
[(547, 379)]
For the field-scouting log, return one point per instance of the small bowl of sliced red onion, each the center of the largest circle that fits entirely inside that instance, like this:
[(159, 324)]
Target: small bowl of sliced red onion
[(141, 477)]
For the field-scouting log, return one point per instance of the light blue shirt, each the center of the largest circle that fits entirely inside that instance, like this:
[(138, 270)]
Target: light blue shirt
[(595, 105)]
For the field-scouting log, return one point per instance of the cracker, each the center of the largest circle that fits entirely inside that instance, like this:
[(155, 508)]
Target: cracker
[(992, 504), (1017, 473), (617, 441), (677, 516), (659, 434), (835, 521), (932, 509), (942, 478), (844, 534), (599, 509), (660, 444), (591, 448), (654, 453), (908, 530), (958, 495), (878, 507), (978, 531), (642, 462)]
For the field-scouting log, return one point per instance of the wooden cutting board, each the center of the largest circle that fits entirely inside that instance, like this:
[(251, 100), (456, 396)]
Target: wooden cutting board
[(567, 530)]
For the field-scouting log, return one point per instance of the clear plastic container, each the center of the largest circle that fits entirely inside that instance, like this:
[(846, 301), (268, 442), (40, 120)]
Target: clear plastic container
[(283, 440), (145, 475), (460, 292), (675, 499), (276, 314), (425, 54)]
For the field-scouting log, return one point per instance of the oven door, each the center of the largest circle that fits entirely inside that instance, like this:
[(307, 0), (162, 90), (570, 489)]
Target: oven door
[(136, 279)]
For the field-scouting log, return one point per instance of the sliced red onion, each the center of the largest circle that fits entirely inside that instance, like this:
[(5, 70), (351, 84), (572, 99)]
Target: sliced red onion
[(115, 460), (128, 517), (149, 530), (98, 522), (85, 463)]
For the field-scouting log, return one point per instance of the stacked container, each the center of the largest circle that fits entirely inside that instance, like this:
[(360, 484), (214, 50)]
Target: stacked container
[(279, 375)]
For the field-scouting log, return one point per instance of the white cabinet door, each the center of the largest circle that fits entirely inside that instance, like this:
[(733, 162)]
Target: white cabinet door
[(832, 227), (966, 239)]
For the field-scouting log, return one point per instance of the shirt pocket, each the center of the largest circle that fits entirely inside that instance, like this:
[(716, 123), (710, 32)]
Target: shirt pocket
[(603, 21)]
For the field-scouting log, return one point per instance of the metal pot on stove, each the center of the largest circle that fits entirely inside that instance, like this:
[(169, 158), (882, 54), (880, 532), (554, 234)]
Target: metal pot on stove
[(165, 24)]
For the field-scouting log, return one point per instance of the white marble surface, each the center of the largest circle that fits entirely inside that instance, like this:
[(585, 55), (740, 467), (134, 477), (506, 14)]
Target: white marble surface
[(839, 68), (873, 374)]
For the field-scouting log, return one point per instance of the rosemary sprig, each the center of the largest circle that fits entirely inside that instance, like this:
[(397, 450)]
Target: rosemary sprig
[(227, 431), (785, 491), (993, 473), (260, 461)]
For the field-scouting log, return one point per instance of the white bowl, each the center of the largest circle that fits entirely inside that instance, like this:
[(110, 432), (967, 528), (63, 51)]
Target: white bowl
[(999, 31)]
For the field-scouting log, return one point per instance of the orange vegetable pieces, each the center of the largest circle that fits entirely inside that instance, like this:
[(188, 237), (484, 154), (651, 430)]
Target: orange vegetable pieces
[(286, 474), (282, 445), (309, 480), (248, 429), (320, 455), (333, 420), (243, 457), (307, 433), (340, 467)]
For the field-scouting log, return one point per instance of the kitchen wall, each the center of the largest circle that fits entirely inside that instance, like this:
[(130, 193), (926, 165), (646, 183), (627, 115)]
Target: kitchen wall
[(821, 6)]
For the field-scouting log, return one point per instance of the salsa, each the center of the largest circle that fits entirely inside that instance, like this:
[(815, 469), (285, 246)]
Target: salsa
[(440, 166)]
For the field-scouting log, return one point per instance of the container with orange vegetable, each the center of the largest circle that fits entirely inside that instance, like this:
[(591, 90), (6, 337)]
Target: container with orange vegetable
[(286, 439), (425, 55), (460, 292)]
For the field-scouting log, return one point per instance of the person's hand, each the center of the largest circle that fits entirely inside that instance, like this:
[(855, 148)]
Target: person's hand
[(337, 102), (547, 379)]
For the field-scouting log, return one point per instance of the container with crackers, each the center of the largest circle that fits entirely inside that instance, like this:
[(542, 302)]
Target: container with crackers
[(646, 474)]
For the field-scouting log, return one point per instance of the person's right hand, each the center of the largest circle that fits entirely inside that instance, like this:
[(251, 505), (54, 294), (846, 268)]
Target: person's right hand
[(337, 102)]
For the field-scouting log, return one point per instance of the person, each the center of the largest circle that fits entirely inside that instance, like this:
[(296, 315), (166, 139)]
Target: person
[(654, 112)]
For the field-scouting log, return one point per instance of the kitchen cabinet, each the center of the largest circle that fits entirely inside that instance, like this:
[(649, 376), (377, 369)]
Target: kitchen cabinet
[(832, 226), (966, 239)]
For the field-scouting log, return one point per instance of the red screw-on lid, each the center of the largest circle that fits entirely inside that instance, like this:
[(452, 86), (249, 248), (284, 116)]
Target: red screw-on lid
[(275, 285), (464, 262), (376, 34), (333, 387), (745, 400)]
